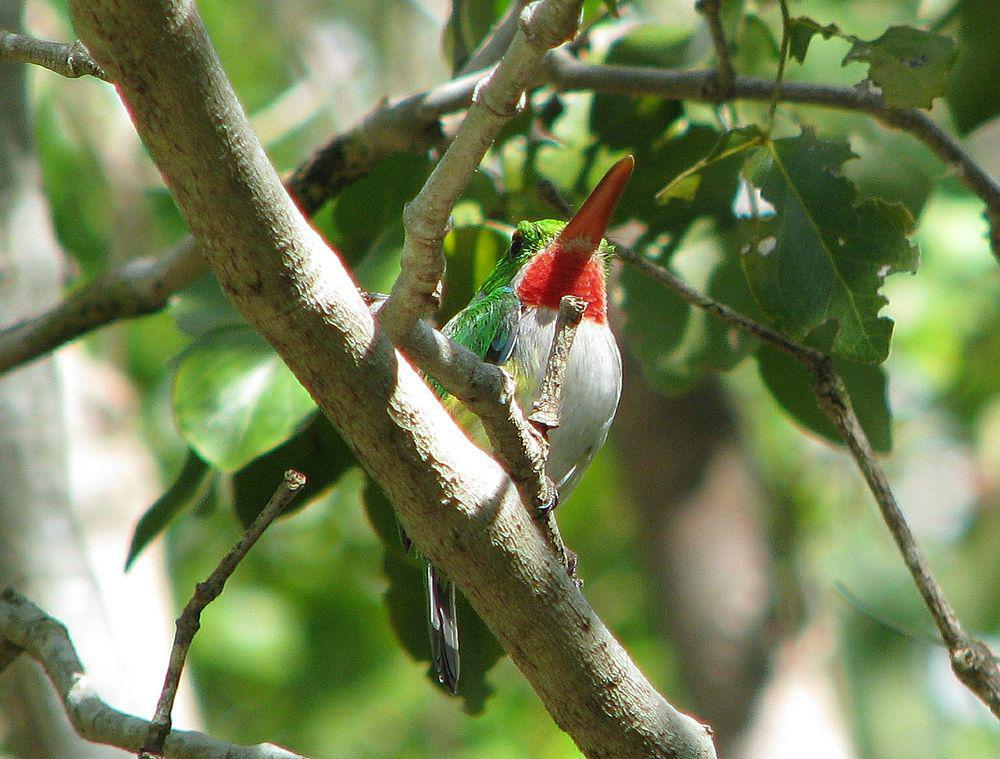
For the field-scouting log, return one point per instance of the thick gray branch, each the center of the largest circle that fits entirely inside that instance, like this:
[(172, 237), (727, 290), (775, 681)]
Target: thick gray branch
[(45, 640), (453, 499)]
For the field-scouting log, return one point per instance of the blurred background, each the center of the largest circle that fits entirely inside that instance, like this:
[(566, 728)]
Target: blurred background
[(738, 556)]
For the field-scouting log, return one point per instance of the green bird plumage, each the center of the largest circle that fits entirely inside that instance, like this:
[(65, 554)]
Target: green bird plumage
[(511, 322)]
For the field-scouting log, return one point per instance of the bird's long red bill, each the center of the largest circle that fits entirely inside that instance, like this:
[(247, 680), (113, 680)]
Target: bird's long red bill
[(590, 222)]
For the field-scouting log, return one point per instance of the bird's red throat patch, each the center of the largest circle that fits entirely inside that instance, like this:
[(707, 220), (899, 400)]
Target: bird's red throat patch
[(557, 272)]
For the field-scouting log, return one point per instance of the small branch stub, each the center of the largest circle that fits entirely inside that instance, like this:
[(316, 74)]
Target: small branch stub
[(545, 411), (68, 59)]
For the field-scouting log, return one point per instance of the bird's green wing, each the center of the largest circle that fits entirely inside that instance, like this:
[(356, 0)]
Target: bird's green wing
[(487, 326)]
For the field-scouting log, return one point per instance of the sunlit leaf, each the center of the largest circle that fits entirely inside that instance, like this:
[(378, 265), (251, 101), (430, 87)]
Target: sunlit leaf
[(317, 450), (824, 256), (668, 160), (373, 207), (187, 491), (911, 66), (472, 252), (235, 399), (685, 185), (756, 48)]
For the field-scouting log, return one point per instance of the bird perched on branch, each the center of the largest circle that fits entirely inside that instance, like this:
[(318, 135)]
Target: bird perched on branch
[(511, 322)]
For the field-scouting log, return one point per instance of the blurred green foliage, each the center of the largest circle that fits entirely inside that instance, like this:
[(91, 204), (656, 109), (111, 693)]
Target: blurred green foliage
[(304, 648)]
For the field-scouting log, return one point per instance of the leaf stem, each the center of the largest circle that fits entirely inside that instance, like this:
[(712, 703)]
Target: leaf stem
[(786, 28)]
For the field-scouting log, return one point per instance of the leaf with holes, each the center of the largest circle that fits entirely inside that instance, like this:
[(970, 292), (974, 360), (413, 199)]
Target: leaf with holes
[(824, 256), (234, 398), (911, 66)]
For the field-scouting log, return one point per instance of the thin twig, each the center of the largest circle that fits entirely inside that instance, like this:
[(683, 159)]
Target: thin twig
[(490, 393), (972, 660), (44, 639), (497, 41), (68, 59), (545, 410), (205, 592), (722, 84)]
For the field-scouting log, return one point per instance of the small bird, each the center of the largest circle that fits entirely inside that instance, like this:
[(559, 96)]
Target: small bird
[(511, 322)]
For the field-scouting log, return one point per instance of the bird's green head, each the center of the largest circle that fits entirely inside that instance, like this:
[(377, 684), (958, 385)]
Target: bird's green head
[(549, 259)]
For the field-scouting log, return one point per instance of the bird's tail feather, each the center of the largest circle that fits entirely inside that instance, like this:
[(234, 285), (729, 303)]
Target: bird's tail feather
[(443, 623)]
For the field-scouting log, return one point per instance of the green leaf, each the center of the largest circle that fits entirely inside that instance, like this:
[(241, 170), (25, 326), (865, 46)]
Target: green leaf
[(624, 121), (472, 251), (973, 96), (791, 385), (911, 66), (824, 256), (685, 185), (317, 450), (677, 343), (801, 31), (188, 490), (756, 49), (406, 604), (713, 196), (202, 307), (373, 207), (235, 399), (76, 186)]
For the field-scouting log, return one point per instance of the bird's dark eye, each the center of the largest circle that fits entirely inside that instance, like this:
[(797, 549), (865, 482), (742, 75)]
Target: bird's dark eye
[(516, 244)]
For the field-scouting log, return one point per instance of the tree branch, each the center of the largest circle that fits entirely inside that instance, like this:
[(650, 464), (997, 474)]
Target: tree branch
[(722, 82), (490, 393), (972, 660), (455, 501), (66, 59), (498, 96), (44, 639), (144, 285), (189, 621)]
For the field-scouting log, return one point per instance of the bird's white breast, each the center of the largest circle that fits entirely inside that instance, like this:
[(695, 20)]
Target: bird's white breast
[(590, 391)]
